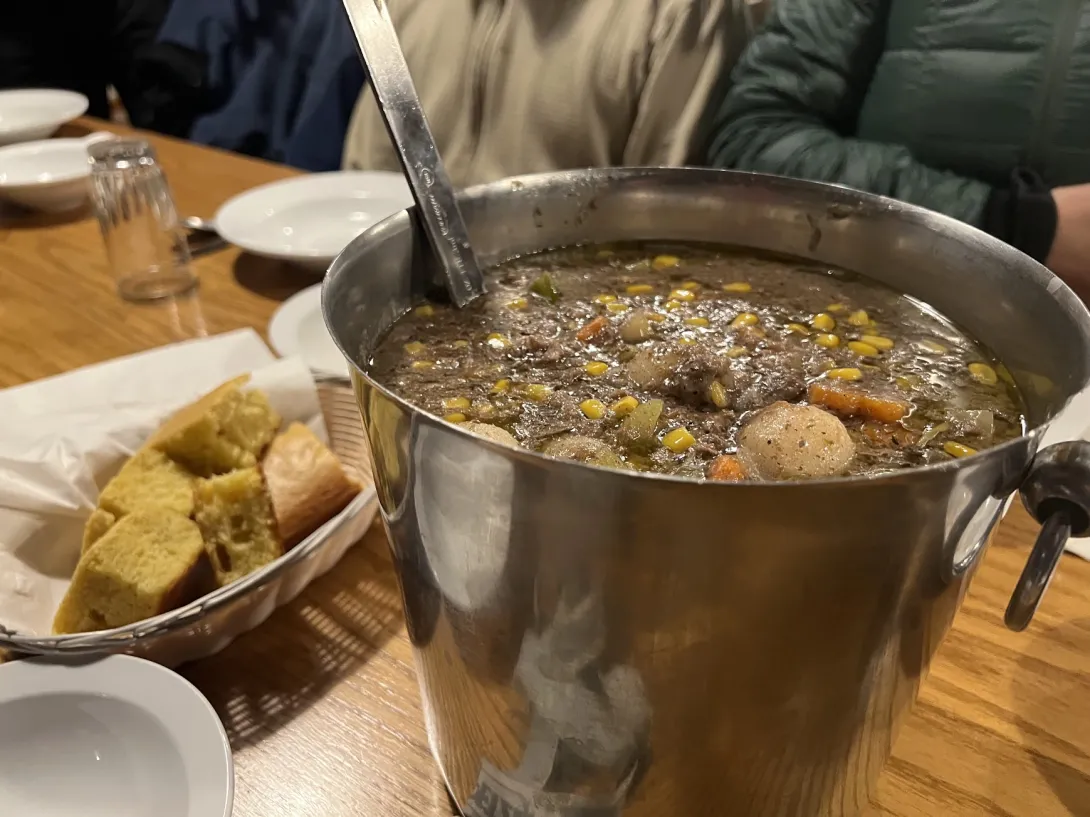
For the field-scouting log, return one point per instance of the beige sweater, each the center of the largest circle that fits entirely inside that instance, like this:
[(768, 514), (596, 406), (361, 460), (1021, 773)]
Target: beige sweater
[(524, 86)]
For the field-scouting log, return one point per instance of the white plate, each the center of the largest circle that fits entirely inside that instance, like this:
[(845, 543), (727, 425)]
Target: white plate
[(310, 219), (36, 114), (297, 328), (49, 175), (113, 737)]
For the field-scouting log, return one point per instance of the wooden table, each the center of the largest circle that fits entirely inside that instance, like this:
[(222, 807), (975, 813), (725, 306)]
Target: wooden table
[(321, 702)]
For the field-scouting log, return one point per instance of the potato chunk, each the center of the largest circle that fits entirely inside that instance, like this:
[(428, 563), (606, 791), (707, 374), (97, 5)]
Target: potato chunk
[(583, 449), (786, 441), (493, 433)]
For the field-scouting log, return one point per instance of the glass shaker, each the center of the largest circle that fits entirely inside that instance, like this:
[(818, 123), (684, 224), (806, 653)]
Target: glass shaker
[(145, 243)]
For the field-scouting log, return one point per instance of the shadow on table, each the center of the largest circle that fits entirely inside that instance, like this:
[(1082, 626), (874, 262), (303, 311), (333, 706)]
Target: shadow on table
[(273, 279), (1054, 713), (18, 218), (269, 676)]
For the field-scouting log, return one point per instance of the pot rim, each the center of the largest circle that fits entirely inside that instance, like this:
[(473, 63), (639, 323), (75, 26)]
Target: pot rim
[(1052, 284)]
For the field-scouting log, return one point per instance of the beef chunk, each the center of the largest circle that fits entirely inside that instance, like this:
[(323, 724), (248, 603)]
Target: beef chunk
[(696, 369), (776, 377)]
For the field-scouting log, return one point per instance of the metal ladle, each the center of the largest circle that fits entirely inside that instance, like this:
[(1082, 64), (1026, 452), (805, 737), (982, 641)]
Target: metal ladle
[(408, 128)]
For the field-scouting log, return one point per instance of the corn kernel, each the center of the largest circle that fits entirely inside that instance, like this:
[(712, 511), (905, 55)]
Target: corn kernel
[(686, 341), (624, 406), (415, 347), (422, 365), (639, 289), (617, 307), (823, 322), (737, 286), (745, 319), (665, 261), (604, 298), (671, 305), (1005, 375), (933, 347), (844, 374), (737, 351), (863, 349), (828, 341), (692, 286), (497, 341), (983, 373), (537, 391), (957, 449), (682, 295), (456, 403), (593, 409), (657, 317), (461, 344), (859, 318), (596, 367), (835, 308), (456, 417), (679, 440), (518, 303), (501, 386), (696, 321), (1040, 384), (798, 329), (878, 342), (424, 311), (717, 393)]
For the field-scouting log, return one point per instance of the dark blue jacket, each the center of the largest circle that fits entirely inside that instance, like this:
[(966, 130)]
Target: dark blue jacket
[(280, 76)]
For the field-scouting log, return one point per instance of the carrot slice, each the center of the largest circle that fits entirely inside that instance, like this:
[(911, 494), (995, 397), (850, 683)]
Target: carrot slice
[(726, 468), (591, 328), (840, 401), (851, 403), (883, 409)]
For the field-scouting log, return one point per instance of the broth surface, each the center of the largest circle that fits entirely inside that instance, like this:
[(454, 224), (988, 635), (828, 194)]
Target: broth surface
[(702, 362)]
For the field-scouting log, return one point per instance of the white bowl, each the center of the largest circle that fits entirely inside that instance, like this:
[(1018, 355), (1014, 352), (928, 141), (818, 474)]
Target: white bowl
[(298, 328), (308, 220), (37, 113), (50, 175), (110, 737)]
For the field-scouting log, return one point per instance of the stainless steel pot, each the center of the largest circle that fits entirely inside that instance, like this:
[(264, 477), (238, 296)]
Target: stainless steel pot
[(597, 642)]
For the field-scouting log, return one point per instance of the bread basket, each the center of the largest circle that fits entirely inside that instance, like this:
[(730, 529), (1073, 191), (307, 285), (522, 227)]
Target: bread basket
[(209, 624)]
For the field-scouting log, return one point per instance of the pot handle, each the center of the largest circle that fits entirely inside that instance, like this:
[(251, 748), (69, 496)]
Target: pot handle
[(1056, 492)]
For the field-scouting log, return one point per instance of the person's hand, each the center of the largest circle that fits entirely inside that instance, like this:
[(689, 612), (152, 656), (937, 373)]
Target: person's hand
[(1069, 257)]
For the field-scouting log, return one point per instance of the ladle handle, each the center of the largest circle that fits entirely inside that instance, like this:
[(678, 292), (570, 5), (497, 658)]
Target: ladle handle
[(411, 136), (1057, 493)]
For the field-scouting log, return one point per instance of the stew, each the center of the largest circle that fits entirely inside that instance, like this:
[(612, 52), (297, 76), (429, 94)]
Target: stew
[(702, 362)]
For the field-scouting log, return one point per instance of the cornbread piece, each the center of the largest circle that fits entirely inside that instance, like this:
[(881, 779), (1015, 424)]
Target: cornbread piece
[(149, 480), (97, 524), (150, 561), (306, 482), (235, 517), (224, 430)]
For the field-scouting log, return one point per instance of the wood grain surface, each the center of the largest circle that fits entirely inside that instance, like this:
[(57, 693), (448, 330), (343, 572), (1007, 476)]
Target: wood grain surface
[(321, 702)]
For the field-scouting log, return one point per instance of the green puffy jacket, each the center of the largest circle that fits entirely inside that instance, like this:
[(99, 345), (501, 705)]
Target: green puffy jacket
[(934, 102)]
